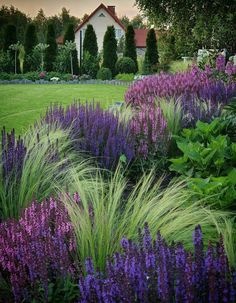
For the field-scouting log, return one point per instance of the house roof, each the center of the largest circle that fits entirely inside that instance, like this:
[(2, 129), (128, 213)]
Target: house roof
[(141, 36), (101, 6)]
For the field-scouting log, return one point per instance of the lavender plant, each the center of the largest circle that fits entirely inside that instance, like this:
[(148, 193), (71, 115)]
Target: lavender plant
[(36, 250), (95, 131), (158, 272)]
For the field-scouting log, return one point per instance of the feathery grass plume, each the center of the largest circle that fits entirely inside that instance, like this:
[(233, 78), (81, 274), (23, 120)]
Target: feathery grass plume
[(107, 211), (47, 156), (172, 112)]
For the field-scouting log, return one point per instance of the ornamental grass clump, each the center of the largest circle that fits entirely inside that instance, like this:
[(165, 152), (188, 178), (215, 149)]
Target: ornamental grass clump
[(36, 250), (95, 131), (29, 164), (153, 271)]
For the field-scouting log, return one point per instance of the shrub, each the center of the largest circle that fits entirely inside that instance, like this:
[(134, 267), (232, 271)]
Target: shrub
[(70, 36), (130, 46), (90, 41), (90, 65), (6, 63), (151, 54), (95, 131), (110, 50), (151, 272), (104, 74), (125, 77), (208, 159), (125, 65), (84, 77), (51, 51)]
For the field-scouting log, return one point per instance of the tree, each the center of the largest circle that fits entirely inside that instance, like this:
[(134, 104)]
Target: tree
[(85, 16), (16, 48), (70, 48), (40, 22), (41, 47), (110, 50), (11, 15), (90, 41), (130, 46), (125, 21), (9, 36), (151, 54), (70, 37), (51, 51), (207, 23), (137, 22), (30, 39)]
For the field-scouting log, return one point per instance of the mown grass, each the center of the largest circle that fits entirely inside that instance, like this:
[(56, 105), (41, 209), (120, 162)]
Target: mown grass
[(21, 105)]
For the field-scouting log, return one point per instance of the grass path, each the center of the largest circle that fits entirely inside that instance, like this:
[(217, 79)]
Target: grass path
[(21, 105)]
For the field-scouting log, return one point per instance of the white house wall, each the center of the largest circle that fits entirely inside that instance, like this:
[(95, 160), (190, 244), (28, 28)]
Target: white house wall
[(100, 25)]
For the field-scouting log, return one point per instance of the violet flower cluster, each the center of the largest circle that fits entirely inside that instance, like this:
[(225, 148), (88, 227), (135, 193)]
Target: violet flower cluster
[(13, 155), (158, 272), (93, 130), (36, 249), (150, 130), (201, 96)]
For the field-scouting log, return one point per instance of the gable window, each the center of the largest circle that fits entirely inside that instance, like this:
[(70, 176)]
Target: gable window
[(101, 15)]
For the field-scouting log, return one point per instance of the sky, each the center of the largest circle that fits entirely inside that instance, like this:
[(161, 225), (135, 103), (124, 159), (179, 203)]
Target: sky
[(77, 7)]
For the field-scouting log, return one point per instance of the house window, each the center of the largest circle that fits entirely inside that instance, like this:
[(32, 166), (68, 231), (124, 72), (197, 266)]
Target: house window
[(118, 33), (101, 15)]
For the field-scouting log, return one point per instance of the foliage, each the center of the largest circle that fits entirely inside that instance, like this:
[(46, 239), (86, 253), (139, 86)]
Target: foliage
[(109, 50), (201, 97), (36, 250), (147, 272), (30, 38), (90, 65), (5, 62), (94, 131), (125, 77), (151, 54), (51, 51), (70, 36), (11, 15), (106, 212), (104, 74), (194, 25), (125, 65), (71, 49), (21, 58), (9, 36), (208, 158), (90, 41), (180, 66), (166, 47), (41, 47), (130, 48)]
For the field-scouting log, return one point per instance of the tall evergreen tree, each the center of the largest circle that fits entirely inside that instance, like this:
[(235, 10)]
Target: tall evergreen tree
[(110, 50), (90, 41), (151, 54), (30, 39), (9, 36), (70, 37), (130, 46), (51, 51)]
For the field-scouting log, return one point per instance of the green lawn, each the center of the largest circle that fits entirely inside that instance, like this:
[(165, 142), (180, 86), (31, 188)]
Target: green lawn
[(21, 105)]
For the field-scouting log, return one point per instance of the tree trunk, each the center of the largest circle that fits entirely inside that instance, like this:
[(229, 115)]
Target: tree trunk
[(15, 60), (71, 64)]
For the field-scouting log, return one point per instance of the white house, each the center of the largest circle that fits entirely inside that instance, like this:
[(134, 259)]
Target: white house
[(100, 19)]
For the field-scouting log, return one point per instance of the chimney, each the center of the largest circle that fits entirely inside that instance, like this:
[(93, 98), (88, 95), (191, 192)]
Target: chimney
[(112, 9)]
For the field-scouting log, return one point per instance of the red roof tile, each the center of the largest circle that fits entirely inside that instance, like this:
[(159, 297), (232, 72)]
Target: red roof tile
[(140, 37)]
